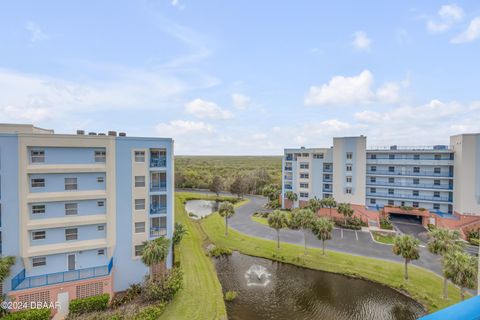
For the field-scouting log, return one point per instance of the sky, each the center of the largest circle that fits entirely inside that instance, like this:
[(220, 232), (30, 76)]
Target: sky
[(244, 77)]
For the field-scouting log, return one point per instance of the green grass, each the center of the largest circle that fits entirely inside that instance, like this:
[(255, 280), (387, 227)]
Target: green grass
[(423, 286), (383, 238), (260, 220)]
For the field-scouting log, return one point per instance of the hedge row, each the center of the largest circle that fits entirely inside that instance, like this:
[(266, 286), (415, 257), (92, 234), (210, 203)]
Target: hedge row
[(90, 304), (30, 314)]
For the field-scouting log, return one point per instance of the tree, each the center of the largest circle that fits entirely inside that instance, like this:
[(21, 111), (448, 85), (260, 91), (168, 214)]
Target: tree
[(314, 204), (216, 185), (277, 220), (226, 210), (239, 186), (442, 241), (461, 269), (330, 203), (345, 210), (322, 228), (259, 179), (303, 219), (154, 253), (407, 247), (272, 192), (178, 232), (292, 196)]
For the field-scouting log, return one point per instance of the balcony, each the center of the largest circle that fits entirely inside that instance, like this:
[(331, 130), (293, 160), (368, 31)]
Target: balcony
[(158, 162), (327, 190), (411, 161), (287, 187), (287, 168), (327, 180), (410, 185), (327, 170), (20, 282), (410, 173), (408, 197), (158, 186), (158, 232), (158, 208)]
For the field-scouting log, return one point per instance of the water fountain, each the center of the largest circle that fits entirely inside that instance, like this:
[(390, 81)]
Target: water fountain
[(257, 275)]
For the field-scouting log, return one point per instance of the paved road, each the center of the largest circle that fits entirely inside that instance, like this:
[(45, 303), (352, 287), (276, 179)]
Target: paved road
[(347, 241)]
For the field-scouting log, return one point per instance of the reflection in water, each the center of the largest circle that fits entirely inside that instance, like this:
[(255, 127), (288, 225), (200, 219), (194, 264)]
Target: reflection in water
[(200, 208), (272, 290)]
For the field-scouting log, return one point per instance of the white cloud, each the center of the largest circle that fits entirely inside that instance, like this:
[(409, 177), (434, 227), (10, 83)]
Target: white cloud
[(175, 128), (177, 4), (447, 16), (36, 34), (388, 93), (361, 41), (471, 34), (240, 101), (205, 109)]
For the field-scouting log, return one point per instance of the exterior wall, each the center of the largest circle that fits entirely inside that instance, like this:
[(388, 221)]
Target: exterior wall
[(57, 235), (68, 155), (57, 209), (56, 182)]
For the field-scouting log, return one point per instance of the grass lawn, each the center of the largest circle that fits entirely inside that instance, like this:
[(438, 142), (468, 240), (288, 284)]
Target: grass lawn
[(424, 286), (383, 238), (260, 220), (202, 297)]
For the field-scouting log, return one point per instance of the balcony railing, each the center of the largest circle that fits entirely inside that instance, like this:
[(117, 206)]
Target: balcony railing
[(408, 197), (158, 186), (327, 190), (410, 185), (327, 170), (409, 158), (410, 173), (20, 281), (158, 162), (288, 168), (157, 209), (287, 187), (327, 180), (158, 232)]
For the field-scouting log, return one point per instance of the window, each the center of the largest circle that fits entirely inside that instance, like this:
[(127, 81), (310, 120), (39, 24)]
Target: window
[(436, 170), (305, 155), (71, 209), (139, 204), (438, 157), (373, 179), (101, 228), (318, 156), (139, 156), (436, 194), (303, 194), (348, 190), (373, 190), (139, 227), (303, 185), (416, 157), (100, 156), (349, 179), (373, 168), (70, 183), (390, 191), (349, 168), (416, 169), (101, 252), (415, 193), (436, 206), (373, 201), (391, 180), (101, 203), (416, 181), (38, 235), (71, 234), (391, 169), (391, 202), (138, 250), (303, 175), (100, 179), (37, 156), (326, 186), (327, 167), (139, 181), (373, 156), (349, 156), (415, 204), (38, 182), (38, 208), (391, 156), (327, 177), (304, 165), (39, 261), (436, 182)]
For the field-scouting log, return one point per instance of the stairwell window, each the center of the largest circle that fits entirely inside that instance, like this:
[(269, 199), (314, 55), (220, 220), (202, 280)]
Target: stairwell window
[(304, 165), (349, 155), (304, 185), (71, 184), (348, 190), (139, 156), (139, 204), (349, 168), (71, 234), (139, 227), (303, 194), (139, 181), (100, 156), (37, 156), (304, 175), (138, 250), (349, 179)]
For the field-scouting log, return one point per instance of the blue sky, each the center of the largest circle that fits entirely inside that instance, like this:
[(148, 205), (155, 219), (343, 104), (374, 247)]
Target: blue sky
[(244, 77)]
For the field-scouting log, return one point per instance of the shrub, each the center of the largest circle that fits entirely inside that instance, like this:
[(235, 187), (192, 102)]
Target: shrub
[(385, 224), (125, 297), (220, 252), (431, 227), (230, 295), (475, 242), (151, 313), (422, 209), (30, 314), (406, 208), (165, 290), (90, 304)]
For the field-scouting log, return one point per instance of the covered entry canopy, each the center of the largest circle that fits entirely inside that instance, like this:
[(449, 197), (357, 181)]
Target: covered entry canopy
[(466, 310)]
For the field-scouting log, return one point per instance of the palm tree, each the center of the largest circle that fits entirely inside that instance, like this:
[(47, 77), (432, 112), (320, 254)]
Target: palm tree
[(322, 228), (5, 264), (407, 247), (178, 233), (292, 196), (278, 220), (329, 203), (314, 204), (226, 210), (346, 210), (461, 269), (303, 219), (154, 253), (443, 241)]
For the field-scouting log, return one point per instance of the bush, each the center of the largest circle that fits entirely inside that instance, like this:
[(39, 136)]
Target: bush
[(385, 224), (165, 290), (125, 297), (406, 208), (475, 242), (30, 314), (220, 252), (151, 312), (431, 227), (90, 304), (230, 295)]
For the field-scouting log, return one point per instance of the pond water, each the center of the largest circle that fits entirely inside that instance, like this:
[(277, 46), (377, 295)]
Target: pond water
[(197, 209), (272, 290)]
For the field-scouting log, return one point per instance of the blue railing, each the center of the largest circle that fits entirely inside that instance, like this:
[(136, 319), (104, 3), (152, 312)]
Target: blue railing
[(156, 209), (410, 185), (409, 197), (20, 282), (158, 162), (327, 190), (158, 186), (327, 180), (158, 231), (288, 168), (409, 173), (287, 187), (409, 158), (327, 170)]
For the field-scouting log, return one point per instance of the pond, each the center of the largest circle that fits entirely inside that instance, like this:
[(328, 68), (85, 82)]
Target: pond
[(198, 209), (273, 290)]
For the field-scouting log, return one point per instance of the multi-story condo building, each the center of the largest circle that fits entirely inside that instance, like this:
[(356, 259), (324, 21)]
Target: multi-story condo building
[(75, 210), (444, 179)]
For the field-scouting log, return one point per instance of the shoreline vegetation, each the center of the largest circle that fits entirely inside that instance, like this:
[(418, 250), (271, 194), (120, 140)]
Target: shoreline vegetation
[(203, 296)]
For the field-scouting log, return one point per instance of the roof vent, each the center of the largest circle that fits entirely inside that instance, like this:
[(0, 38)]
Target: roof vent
[(122, 134), (101, 134), (112, 133), (81, 132), (92, 133), (393, 147)]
